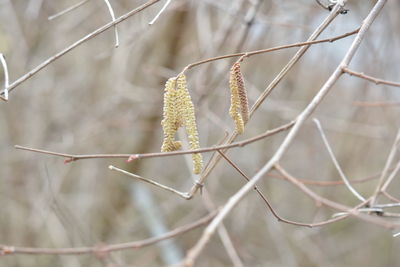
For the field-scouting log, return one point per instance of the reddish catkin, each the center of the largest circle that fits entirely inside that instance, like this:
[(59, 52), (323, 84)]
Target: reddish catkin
[(244, 103), (235, 108)]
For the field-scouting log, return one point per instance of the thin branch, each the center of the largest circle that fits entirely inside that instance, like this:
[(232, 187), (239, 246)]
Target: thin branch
[(242, 55), (385, 171), (104, 249), (237, 197), (160, 12), (370, 78), (6, 77), (110, 9), (149, 181), (69, 9), (335, 162), (389, 196), (391, 177), (38, 68), (130, 157), (335, 205), (269, 205), (375, 104)]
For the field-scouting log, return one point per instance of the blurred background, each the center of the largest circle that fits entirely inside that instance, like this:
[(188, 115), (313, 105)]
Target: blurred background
[(101, 99)]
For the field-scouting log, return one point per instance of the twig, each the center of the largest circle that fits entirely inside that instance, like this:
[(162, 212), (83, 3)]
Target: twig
[(389, 196), (35, 70), (335, 162), (65, 11), (236, 198), (160, 12), (335, 205), (104, 249), (391, 177), (370, 78), (375, 104), (130, 157), (149, 181), (110, 9), (385, 171), (242, 55), (6, 77), (279, 218)]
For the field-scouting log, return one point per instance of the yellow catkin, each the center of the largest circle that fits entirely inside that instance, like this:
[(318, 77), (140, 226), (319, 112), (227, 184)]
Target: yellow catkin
[(178, 112), (186, 111), (235, 103), (169, 123), (244, 103)]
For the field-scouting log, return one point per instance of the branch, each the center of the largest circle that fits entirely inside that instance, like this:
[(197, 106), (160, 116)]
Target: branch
[(6, 77), (69, 9), (243, 55), (335, 162), (160, 12), (130, 157), (38, 68), (390, 159), (264, 198), (236, 198), (110, 9), (370, 78), (102, 250)]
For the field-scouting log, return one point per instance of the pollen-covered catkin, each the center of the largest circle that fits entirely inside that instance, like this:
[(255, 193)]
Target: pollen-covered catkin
[(170, 123), (235, 102), (179, 111), (186, 111), (244, 103)]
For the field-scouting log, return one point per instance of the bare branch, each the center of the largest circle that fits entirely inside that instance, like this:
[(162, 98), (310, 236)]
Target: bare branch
[(335, 162), (130, 157), (6, 77), (160, 12), (243, 55), (370, 78), (102, 29), (110, 9), (67, 10), (149, 181), (104, 249), (385, 171)]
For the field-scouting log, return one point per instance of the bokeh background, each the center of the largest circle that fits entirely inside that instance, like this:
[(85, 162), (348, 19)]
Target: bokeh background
[(101, 99)]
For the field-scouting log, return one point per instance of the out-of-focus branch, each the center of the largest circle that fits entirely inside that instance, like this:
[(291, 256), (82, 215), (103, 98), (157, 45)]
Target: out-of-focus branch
[(102, 250), (38, 68), (111, 10), (6, 77), (160, 12), (67, 10)]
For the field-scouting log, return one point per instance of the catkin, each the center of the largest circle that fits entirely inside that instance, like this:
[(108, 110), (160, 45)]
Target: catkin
[(186, 110), (178, 112), (170, 123), (235, 101), (244, 103)]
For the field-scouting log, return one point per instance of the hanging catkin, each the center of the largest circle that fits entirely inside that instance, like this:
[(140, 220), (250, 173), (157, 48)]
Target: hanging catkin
[(239, 109), (179, 111), (170, 122)]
